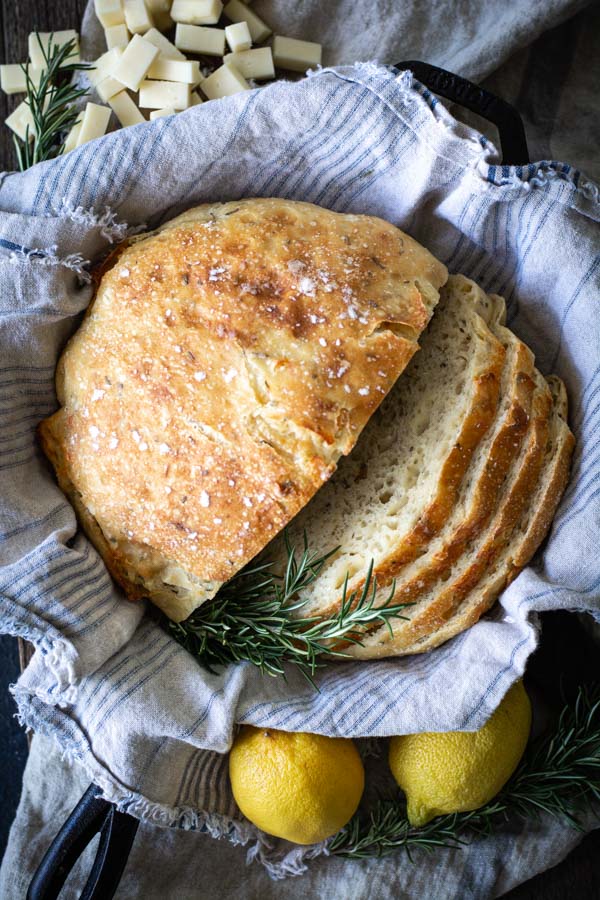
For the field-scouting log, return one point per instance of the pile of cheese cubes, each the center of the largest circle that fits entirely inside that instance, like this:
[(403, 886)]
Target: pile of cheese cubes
[(143, 70)]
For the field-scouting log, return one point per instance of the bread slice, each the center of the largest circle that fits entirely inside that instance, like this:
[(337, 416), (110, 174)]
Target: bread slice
[(491, 464), (438, 604), (396, 491), (530, 532), (227, 362)]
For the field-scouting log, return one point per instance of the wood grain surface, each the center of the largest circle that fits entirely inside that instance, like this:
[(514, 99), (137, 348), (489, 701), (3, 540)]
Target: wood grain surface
[(576, 877)]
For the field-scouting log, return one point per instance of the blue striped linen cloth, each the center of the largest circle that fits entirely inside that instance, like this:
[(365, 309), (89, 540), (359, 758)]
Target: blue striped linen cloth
[(142, 718)]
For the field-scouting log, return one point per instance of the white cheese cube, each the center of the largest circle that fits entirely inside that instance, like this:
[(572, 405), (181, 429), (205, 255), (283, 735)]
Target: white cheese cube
[(125, 109), (108, 87), (164, 69), (71, 139), (224, 82), (239, 12), (93, 124), (197, 12), (197, 39), (21, 122), (13, 79), (257, 63), (161, 113), (117, 36), (109, 12), (137, 58), (195, 99), (238, 37), (160, 12), (164, 45), (104, 65), (158, 94), (137, 17), (38, 54), (298, 56)]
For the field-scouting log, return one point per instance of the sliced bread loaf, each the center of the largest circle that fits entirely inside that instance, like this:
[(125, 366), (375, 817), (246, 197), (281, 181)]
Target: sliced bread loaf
[(491, 464), (531, 530), (398, 488), (433, 608)]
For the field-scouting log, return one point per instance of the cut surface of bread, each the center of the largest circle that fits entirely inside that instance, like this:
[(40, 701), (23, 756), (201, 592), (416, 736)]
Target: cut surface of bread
[(464, 559), (438, 604), (531, 530), (227, 362), (396, 491)]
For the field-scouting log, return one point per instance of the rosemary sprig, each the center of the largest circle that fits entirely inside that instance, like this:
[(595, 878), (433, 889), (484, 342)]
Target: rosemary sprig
[(250, 618), (51, 104), (558, 775)]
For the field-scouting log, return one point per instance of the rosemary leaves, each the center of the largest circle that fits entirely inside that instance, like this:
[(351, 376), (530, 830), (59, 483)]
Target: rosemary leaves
[(559, 775), (251, 618), (52, 105)]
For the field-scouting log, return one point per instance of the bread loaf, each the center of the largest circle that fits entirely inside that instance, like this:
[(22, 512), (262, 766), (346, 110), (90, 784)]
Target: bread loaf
[(226, 363), (395, 492), (378, 502)]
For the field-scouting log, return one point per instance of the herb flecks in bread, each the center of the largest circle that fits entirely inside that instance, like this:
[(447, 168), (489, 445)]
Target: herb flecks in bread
[(227, 362)]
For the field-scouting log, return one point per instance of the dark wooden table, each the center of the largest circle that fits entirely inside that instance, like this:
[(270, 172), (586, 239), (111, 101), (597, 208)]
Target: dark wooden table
[(577, 877)]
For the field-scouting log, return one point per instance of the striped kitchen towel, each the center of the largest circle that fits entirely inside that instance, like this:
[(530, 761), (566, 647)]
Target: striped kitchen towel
[(141, 717)]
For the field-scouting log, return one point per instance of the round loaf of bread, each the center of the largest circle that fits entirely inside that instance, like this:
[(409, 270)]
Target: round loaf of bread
[(226, 363)]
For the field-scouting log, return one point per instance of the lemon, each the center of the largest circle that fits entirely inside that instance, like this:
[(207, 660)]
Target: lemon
[(461, 770), (298, 786)]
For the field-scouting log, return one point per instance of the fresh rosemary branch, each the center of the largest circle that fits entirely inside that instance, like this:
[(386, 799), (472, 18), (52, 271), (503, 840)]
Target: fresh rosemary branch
[(250, 618), (51, 104), (559, 775)]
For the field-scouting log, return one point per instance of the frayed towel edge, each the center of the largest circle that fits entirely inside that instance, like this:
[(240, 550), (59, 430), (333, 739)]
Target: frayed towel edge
[(279, 865)]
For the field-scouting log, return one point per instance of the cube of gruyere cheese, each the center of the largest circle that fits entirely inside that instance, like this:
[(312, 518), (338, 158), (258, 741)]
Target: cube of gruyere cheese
[(104, 65), (161, 113), (164, 44), (238, 37), (108, 87), (71, 139), (298, 56), (109, 12), (13, 79), (93, 124), (195, 99), (223, 82), (38, 54), (257, 63), (137, 16), (117, 36), (198, 39), (164, 69), (125, 110), (239, 12), (197, 12), (158, 94), (21, 122), (160, 10), (137, 58)]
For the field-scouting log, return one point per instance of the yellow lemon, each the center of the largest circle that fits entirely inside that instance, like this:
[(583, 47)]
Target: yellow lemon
[(297, 786), (461, 770)]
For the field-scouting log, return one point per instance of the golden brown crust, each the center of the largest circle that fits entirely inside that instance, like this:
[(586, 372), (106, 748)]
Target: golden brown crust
[(228, 359)]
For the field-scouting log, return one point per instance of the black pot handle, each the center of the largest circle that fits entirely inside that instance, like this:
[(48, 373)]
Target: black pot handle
[(91, 815), (458, 90)]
